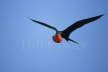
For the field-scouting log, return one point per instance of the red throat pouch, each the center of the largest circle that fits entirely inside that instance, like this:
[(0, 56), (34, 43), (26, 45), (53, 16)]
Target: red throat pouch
[(57, 38)]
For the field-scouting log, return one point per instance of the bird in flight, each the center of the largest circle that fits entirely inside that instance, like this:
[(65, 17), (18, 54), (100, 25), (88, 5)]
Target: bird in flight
[(60, 35)]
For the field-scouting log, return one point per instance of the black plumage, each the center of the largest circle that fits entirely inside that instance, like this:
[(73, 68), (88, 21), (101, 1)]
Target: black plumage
[(66, 33), (77, 25), (44, 24)]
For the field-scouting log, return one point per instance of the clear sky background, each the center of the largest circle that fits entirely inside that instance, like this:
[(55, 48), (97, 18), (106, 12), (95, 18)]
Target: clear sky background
[(28, 47)]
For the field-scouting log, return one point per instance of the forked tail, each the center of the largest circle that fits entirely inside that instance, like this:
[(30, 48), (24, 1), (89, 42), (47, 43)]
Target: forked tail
[(73, 41)]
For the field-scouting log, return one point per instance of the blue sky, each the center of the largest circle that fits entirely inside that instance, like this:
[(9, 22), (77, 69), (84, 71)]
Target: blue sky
[(28, 47)]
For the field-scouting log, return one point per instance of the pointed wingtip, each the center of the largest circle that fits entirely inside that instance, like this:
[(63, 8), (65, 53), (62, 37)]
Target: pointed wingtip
[(102, 15), (97, 17), (32, 19)]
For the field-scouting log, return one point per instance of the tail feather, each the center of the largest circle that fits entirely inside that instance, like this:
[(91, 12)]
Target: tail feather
[(73, 41)]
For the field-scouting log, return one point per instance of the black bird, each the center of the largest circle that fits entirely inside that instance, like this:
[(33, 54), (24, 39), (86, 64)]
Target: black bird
[(66, 33)]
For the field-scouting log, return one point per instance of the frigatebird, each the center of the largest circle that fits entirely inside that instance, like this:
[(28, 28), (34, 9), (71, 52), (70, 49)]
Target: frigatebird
[(60, 35)]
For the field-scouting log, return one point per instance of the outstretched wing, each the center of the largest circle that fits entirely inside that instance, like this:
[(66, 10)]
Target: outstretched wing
[(44, 24), (78, 24)]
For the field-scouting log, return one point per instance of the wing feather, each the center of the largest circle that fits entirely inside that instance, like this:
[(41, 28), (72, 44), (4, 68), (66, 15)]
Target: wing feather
[(79, 24), (44, 24)]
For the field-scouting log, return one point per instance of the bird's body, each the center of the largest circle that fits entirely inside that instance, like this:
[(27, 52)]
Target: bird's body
[(60, 35)]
